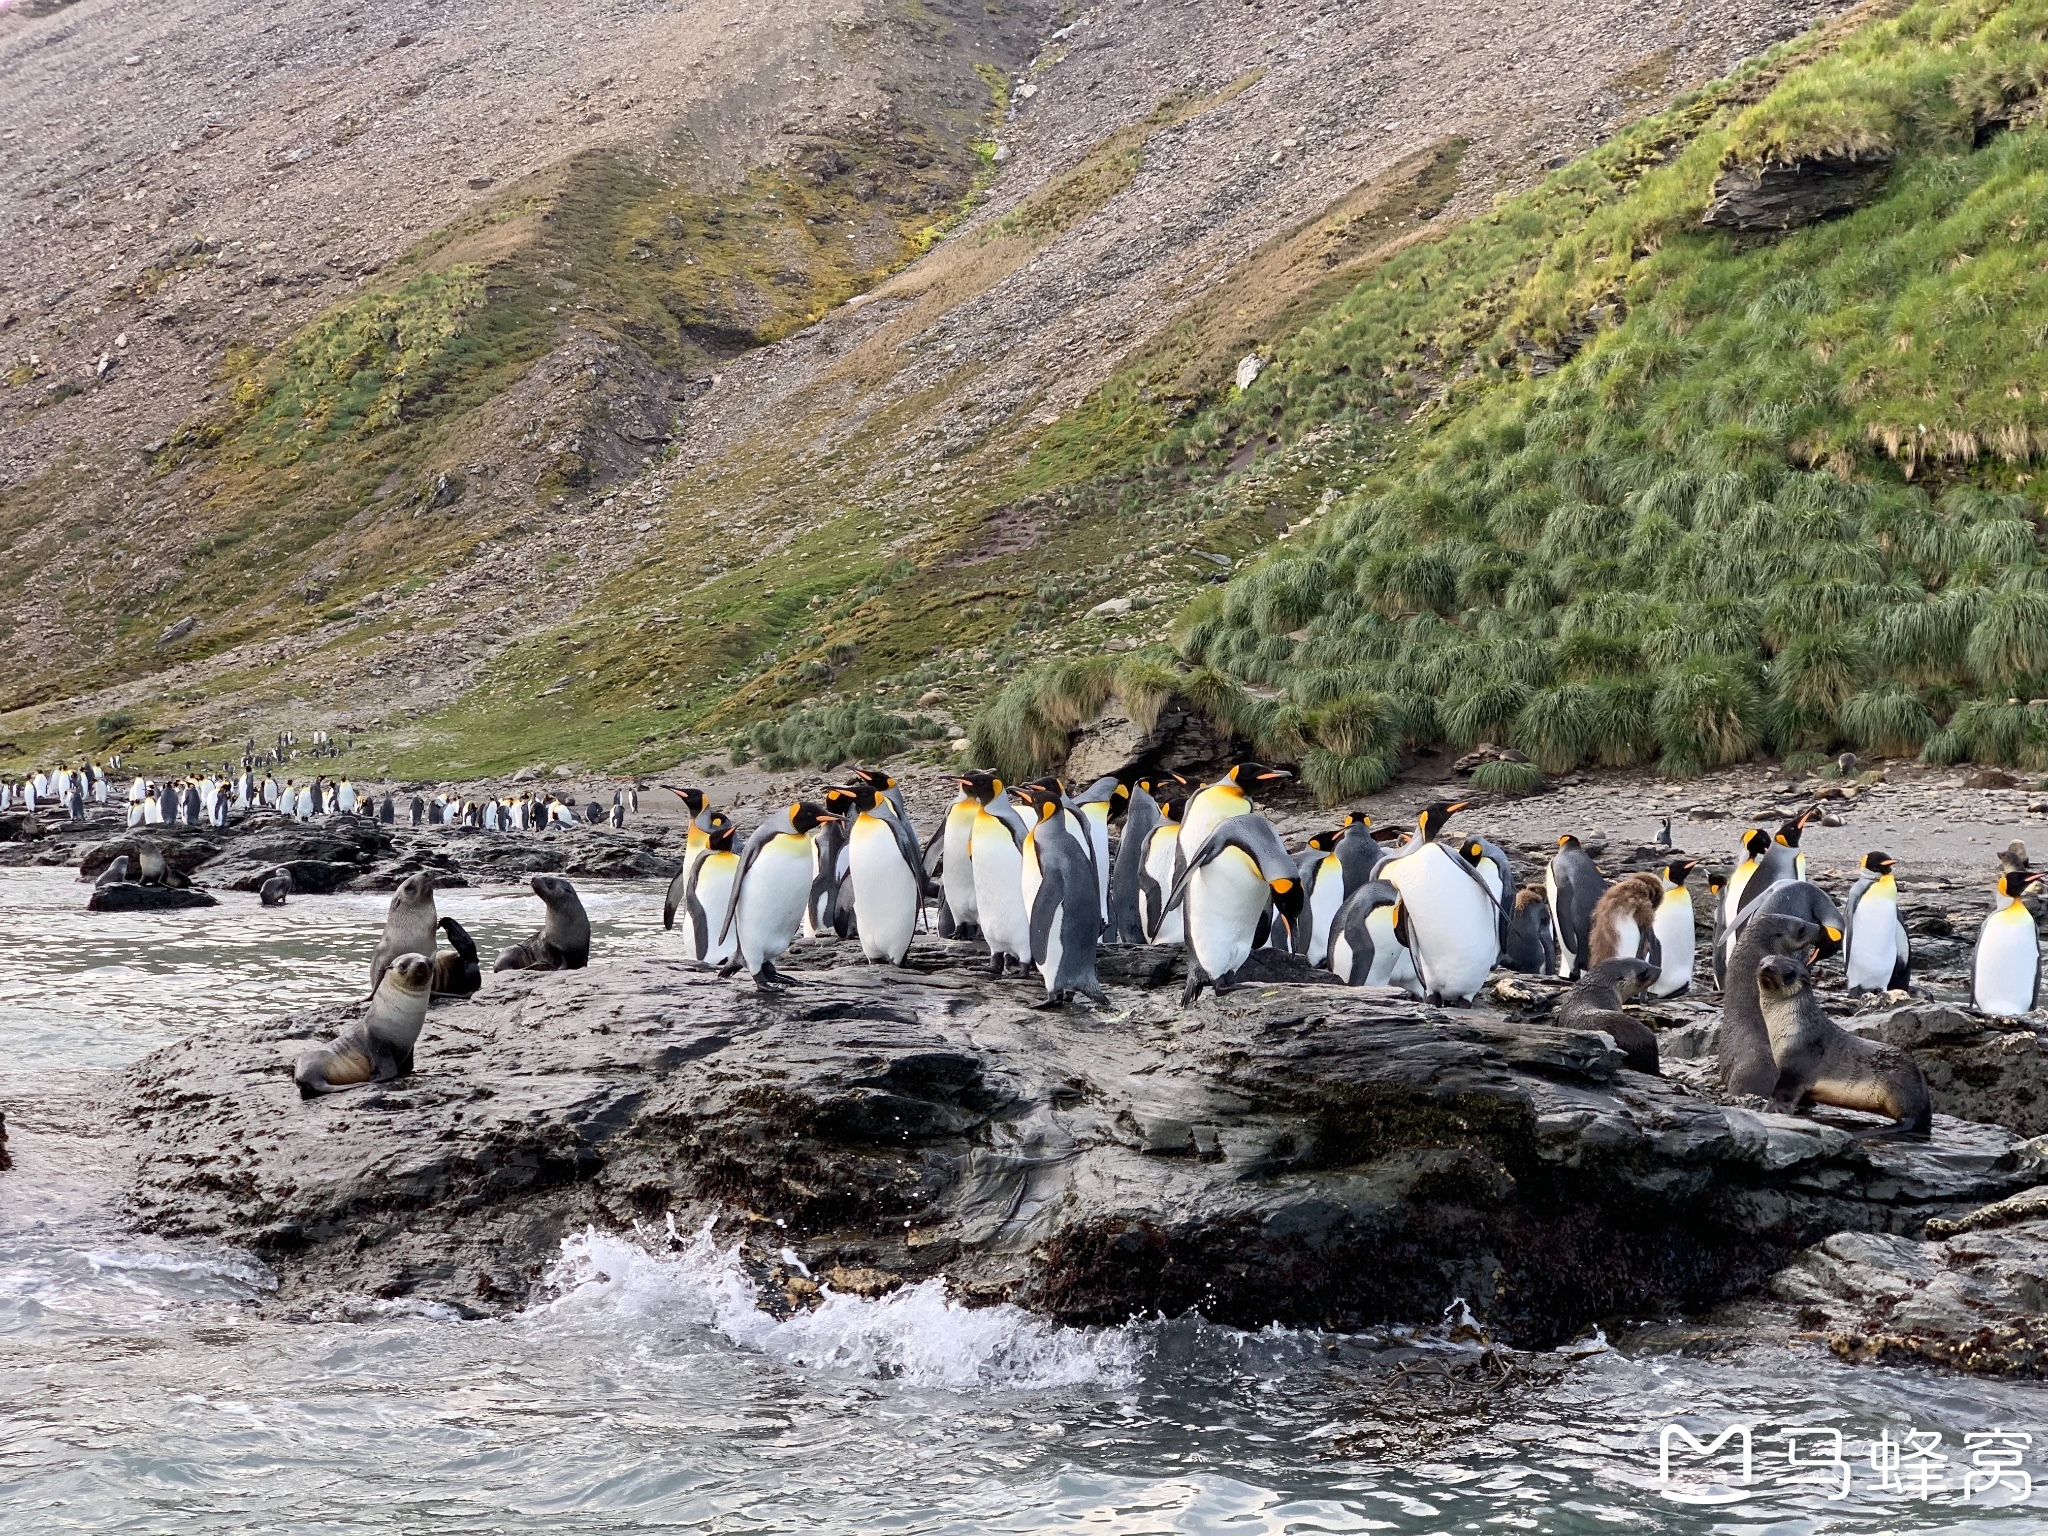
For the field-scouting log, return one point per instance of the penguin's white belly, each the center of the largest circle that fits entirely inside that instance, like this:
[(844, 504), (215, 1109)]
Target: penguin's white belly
[(958, 876), (1628, 939), (1340, 957), (1456, 940), (1392, 965), (999, 891), (1873, 943), (1674, 929), (1206, 812), (1171, 927), (772, 899), (714, 896), (1323, 903), (1225, 899), (1097, 819), (1564, 953), (884, 891), (2002, 979)]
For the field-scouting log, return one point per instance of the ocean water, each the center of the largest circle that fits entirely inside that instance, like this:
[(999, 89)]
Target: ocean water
[(142, 1389)]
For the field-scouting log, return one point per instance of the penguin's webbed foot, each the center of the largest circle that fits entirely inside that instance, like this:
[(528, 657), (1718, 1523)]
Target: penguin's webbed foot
[(1193, 989), (1049, 1002)]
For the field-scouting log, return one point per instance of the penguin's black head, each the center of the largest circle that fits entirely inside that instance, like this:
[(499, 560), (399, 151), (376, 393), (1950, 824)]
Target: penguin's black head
[(839, 800), (1678, 871), (1173, 801), (1876, 863), (858, 797), (874, 776), (1253, 777), (1354, 819), (1756, 842), (1323, 842), (1567, 841), (1435, 814), (979, 785), (2014, 882), (1788, 834), (1041, 796), (722, 836), (1781, 976), (1287, 898), (1716, 879), (693, 799), (804, 815), (1472, 851)]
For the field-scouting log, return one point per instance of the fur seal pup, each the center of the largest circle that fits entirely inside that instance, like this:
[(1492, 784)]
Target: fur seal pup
[(1783, 928), (563, 942), (457, 971), (151, 867), (275, 889), (1818, 1060), (378, 1046), (1595, 1000), (115, 873), (409, 924)]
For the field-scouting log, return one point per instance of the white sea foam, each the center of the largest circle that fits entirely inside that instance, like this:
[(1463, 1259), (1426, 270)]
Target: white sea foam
[(915, 1335)]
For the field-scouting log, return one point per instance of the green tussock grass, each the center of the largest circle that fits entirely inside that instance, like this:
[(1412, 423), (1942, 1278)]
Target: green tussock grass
[(855, 732), (1501, 777), (1667, 495)]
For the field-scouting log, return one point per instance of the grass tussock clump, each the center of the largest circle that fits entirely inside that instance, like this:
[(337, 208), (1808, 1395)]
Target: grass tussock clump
[(1504, 777), (823, 738)]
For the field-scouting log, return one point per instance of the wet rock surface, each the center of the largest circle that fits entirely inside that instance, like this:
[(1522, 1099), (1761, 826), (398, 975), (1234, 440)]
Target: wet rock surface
[(127, 897), (1308, 1155)]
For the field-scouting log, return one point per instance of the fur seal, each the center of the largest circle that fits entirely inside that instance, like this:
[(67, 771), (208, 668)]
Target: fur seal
[(563, 942), (457, 971), (1595, 1000), (1790, 922), (378, 1046), (409, 924), (1819, 1060), (115, 873), (275, 889)]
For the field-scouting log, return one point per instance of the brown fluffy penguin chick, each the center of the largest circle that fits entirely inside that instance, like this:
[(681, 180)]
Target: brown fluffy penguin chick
[(1595, 1000), (1623, 917)]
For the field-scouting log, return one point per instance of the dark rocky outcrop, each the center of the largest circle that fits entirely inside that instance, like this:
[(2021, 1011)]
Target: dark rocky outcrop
[(1976, 1068), (128, 897), (1785, 194), (1300, 1154)]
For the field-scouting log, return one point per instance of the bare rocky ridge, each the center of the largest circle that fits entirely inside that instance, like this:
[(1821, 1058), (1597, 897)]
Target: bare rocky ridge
[(1300, 1154), (313, 148)]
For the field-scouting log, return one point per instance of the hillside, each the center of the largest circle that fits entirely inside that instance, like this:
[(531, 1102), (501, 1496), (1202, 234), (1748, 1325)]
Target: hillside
[(1684, 472), (504, 401)]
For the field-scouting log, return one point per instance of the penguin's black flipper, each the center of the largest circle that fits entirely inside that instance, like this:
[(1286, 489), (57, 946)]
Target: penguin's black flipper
[(1045, 911)]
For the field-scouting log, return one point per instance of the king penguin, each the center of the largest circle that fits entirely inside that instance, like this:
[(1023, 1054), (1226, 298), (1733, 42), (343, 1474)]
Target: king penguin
[(708, 897), (1062, 897), (768, 898), (1216, 803), (1756, 843), (1573, 886), (1322, 892), (1453, 921), (996, 854), (1097, 806), (1228, 890), (1155, 880), (1367, 943), (1779, 859), (2005, 970), (1673, 929), (1880, 954), (1127, 870), (887, 870), (956, 860)]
